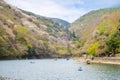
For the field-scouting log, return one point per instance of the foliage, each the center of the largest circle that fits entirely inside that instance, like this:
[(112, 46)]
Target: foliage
[(78, 44), (3, 19), (21, 32), (95, 29), (18, 39), (62, 51), (6, 48), (113, 43), (92, 49)]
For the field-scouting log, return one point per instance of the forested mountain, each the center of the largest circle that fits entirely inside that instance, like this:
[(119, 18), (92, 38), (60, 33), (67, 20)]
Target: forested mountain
[(61, 22), (98, 32), (27, 35)]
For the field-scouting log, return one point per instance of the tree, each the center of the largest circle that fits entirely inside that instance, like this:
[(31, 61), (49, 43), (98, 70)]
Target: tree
[(92, 49), (113, 43), (73, 34)]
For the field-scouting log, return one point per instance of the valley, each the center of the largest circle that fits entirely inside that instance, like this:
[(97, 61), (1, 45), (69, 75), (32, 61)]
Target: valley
[(25, 35)]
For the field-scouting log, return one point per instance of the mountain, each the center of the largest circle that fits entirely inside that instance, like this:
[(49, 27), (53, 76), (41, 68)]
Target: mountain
[(96, 31), (55, 20), (27, 35), (61, 22), (54, 25)]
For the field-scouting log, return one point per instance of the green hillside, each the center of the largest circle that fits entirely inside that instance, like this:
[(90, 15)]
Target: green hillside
[(27, 35), (98, 32)]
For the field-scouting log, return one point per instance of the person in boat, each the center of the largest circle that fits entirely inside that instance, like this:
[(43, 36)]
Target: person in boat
[(80, 69)]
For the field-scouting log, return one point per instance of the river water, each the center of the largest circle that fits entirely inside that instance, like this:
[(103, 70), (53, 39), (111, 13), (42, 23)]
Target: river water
[(61, 69)]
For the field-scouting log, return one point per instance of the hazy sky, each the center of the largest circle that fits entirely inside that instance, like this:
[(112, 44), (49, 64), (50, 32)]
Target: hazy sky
[(68, 10)]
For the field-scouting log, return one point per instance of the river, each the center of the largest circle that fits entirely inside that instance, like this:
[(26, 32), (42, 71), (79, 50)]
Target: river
[(61, 69)]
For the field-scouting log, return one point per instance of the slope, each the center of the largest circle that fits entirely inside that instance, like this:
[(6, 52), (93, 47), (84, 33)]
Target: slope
[(61, 22), (27, 35), (94, 29)]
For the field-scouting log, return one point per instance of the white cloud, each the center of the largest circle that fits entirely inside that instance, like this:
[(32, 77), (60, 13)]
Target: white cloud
[(51, 8), (65, 9)]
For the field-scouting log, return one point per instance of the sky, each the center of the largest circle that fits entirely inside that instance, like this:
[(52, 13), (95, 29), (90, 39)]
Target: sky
[(68, 10)]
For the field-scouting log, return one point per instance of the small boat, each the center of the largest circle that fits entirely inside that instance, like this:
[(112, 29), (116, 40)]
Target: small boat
[(80, 69), (55, 59), (32, 62), (67, 59), (88, 62)]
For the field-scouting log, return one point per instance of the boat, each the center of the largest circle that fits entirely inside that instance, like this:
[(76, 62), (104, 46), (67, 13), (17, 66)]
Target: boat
[(67, 59), (32, 62), (80, 69)]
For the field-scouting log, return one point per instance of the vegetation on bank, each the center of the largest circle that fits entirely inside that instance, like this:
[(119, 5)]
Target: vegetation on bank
[(98, 32)]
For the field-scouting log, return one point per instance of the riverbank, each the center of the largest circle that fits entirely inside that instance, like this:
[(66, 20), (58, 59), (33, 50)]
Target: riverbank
[(102, 60), (5, 78), (1, 78)]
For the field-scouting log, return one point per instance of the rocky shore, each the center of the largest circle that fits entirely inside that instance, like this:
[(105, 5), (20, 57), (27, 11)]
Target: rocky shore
[(102, 60)]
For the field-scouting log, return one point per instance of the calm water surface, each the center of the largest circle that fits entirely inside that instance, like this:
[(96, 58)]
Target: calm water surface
[(49, 69)]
